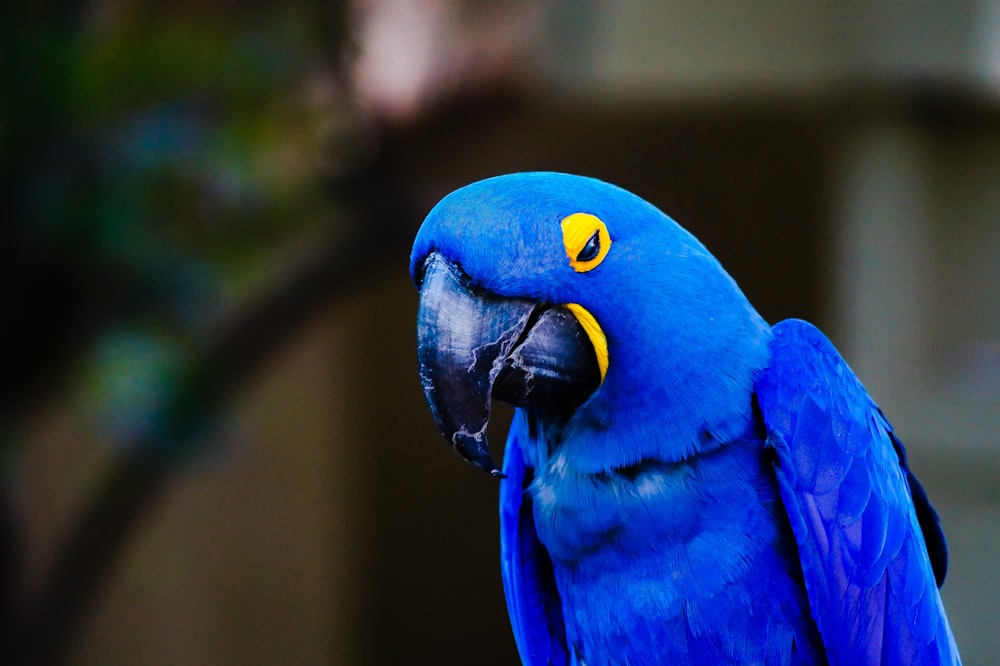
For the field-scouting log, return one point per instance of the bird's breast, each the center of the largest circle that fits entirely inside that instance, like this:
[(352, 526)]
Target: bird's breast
[(670, 553)]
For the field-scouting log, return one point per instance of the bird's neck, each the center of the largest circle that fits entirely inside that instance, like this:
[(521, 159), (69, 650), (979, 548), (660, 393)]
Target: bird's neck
[(681, 395), (579, 511)]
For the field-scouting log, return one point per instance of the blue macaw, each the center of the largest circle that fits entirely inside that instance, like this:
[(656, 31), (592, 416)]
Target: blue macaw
[(682, 483)]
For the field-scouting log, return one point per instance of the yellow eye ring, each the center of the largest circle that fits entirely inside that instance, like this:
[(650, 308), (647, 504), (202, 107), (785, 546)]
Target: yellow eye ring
[(586, 240)]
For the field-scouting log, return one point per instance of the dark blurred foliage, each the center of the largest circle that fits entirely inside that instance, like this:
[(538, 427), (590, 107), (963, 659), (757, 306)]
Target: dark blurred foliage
[(154, 161), (182, 187)]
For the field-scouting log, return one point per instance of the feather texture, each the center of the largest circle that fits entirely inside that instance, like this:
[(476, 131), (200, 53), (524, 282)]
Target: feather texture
[(847, 491)]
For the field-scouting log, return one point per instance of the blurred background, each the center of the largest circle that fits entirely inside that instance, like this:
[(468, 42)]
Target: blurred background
[(215, 447)]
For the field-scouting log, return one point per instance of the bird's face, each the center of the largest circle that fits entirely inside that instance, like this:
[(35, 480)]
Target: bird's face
[(546, 290)]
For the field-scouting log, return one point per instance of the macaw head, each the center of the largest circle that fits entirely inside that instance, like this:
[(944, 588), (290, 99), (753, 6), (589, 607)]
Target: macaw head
[(579, 300)]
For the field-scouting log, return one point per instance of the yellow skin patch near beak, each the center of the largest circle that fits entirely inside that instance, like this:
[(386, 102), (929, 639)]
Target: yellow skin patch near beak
[(594, 332)]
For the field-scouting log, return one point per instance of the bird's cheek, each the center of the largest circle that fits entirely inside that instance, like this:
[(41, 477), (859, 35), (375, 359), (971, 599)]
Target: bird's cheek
[(595, 334)]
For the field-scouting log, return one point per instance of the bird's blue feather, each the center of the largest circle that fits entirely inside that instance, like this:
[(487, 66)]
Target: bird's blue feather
[(653, 563), (532, 599), (847, 492)]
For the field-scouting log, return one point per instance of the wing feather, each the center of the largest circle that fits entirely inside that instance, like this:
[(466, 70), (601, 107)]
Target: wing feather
[(529, 585), (853, 506)]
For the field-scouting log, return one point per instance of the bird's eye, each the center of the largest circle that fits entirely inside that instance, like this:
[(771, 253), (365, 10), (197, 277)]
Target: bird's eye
[(586, 240), (590, 250)]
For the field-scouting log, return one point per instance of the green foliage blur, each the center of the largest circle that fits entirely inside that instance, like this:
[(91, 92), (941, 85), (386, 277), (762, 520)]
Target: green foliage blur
[(160, 163)]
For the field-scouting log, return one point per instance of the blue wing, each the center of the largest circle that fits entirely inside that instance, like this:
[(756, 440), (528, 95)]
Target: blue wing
[(853, 506), (532, 599)]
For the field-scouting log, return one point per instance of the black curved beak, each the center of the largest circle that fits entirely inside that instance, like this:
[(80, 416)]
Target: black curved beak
[(473, 346)]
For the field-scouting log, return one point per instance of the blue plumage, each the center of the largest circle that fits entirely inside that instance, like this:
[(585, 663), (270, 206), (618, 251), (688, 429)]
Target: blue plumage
[(727, 492), (847, 492)]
